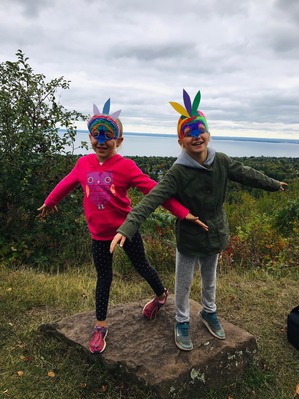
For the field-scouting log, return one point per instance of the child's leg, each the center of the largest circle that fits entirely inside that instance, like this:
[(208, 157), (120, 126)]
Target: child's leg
[(103, 263), (135, 251), (184, 272), (208, 266), (209, 314)]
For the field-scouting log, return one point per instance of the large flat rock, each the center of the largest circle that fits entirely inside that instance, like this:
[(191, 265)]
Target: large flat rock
[(145, 352)]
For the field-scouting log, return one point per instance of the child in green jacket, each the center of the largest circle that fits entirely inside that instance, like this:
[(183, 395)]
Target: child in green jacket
[(198, 179)]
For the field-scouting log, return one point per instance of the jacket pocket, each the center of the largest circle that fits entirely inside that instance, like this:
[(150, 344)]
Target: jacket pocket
[(191, 238), (218, 231)]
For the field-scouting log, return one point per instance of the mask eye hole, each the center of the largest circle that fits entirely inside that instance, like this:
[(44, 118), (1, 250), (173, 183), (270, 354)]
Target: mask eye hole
[(95, 134), (109, 135), (186, 131), (201, 129)]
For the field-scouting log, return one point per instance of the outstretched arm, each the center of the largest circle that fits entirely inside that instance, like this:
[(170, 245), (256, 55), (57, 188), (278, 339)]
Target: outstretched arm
[(121, 239), (243, 174)]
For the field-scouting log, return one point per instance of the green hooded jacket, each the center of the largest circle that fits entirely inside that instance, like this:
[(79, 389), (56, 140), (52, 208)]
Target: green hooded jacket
[(201, 189)]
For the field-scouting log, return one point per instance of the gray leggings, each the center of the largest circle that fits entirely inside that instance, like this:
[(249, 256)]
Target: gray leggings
[(185, 267)]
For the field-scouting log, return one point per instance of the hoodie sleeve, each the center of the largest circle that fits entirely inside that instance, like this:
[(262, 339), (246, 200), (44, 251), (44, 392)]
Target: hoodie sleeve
[(159, 194), (145, 184), (63, 188)]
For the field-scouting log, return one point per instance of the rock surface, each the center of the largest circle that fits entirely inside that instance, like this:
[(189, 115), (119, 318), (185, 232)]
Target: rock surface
[(144, 351)]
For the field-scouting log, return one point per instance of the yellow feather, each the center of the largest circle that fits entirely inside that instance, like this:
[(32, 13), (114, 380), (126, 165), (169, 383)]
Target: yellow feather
[(179, 108)]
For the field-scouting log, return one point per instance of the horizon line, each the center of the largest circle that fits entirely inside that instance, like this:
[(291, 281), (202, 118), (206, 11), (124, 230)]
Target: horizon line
[(224, 138)]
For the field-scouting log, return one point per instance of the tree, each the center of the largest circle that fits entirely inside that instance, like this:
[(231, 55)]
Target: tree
[(33, 153)]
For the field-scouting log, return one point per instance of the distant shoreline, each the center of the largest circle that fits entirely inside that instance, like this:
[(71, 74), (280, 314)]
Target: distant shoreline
[(214, 138)]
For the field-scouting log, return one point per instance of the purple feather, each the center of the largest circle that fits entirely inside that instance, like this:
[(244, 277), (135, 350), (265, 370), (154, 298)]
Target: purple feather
[(95, 110), (115, 115), (187, 102)]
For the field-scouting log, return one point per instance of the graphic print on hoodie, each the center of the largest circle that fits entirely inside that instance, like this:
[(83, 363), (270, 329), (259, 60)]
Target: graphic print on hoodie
[(100, 187)]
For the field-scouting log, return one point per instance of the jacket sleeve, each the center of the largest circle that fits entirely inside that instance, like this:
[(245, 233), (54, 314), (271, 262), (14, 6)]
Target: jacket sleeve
[(251, 177), (145, 184), (158, 195), (63, 188)]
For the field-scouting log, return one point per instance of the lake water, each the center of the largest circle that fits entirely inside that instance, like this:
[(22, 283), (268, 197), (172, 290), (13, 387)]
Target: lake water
[(166, 145)]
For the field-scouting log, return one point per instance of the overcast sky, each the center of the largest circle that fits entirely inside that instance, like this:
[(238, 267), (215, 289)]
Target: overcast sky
[(242, 55)]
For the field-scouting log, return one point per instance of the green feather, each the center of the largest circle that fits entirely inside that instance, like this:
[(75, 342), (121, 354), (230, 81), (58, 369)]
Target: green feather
[(195, 103)]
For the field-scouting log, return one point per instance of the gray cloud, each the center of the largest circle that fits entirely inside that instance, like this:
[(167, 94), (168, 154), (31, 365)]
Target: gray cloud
[(29, 8), (242, 55)]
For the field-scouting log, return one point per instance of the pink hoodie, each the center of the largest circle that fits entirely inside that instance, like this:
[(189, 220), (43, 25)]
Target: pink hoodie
[(106, 202)]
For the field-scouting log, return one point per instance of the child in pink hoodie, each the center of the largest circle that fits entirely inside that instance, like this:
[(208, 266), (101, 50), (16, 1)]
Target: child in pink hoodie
[(105, 178)]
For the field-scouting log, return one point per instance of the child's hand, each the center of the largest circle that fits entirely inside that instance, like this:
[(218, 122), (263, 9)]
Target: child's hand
[(282, 185), (45, 210), (194, 219), (118, 238)]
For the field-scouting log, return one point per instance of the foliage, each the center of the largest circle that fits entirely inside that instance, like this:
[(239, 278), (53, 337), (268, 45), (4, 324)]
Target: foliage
[(286, 218), (31, 159), (258, 236), (160, 224), (155, 167)]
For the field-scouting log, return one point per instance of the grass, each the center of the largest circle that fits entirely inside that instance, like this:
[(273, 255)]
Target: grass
[(33, 366)]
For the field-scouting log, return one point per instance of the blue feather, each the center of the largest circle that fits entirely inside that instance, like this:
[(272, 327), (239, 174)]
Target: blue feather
[(106, 108)]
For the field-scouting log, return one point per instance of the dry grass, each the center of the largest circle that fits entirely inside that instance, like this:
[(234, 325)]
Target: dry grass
[(257, 301)]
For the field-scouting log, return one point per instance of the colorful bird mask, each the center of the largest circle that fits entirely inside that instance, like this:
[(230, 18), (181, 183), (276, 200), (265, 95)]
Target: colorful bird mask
[(192, 121), (103, 126)]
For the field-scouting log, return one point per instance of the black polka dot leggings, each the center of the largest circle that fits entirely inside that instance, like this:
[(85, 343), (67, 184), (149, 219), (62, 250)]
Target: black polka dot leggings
[(103, 263)]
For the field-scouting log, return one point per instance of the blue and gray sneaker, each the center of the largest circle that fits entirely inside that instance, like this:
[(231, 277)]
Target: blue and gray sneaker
[(211, 322), (182, 337)]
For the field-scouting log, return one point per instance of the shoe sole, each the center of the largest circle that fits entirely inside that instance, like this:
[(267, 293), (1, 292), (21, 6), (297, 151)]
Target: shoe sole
[(178, 344), (154, 313), (104, 339), (209, 328)]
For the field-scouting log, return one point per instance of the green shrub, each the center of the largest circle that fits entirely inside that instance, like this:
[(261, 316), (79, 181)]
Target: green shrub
[(33, 157)]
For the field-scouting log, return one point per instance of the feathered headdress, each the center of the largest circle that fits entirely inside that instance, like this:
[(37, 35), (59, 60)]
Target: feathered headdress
[(191, 117), (101, 123)]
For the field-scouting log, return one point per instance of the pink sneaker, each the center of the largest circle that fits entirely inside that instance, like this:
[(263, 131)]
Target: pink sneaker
[(97, 341), (152, 308)]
